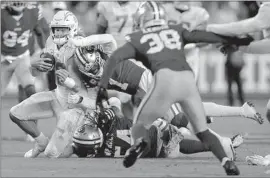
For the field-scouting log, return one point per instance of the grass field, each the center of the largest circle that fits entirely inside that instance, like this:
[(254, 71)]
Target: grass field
[(204, 164)]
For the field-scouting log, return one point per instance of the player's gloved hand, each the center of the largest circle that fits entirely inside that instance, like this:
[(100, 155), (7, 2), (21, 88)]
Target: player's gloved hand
[(74, 98), (102, 95), (42, 64), (243, 41), (62, 75)]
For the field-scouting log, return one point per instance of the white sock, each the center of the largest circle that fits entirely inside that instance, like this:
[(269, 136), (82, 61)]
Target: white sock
[(215, 110), (40, 138)]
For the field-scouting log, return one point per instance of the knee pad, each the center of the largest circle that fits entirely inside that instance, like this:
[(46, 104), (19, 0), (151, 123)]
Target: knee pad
[(30, 90)]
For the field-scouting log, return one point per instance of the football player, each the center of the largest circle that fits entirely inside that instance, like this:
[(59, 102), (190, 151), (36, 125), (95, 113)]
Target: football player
[(258, 23), (57, 55), (165, 143), (90, 64), (196, 18), (134, 79), (116, 18), (19, 21), (152, 44)]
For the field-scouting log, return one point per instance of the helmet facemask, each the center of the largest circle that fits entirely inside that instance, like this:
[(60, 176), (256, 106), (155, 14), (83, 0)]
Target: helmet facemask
[(89, 61), (63, 26), (60, 35)]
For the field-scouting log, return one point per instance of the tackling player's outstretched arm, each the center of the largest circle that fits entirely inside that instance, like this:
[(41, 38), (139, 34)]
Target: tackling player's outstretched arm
[(257, 23), (197, 36), (127, 51), (94, 40)]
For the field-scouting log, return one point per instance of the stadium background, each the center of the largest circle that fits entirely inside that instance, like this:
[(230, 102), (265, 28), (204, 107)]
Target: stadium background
[(212, 81)]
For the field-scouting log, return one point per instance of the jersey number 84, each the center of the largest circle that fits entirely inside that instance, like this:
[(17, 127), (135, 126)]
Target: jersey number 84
[(164, 39)]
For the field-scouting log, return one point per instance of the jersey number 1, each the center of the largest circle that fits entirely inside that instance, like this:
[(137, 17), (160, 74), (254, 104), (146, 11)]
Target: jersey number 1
[(164, 39)]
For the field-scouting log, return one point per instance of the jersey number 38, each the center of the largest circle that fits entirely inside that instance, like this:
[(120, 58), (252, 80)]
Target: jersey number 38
[(10, 38), (164, 39)]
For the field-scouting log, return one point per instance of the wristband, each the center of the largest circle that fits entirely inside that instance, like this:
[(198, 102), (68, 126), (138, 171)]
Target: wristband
[(69, 82)]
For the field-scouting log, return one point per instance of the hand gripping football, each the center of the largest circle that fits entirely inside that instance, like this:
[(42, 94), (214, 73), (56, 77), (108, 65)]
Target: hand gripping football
[(49, 58)]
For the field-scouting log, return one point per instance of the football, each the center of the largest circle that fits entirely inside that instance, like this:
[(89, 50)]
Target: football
[(49, 59)]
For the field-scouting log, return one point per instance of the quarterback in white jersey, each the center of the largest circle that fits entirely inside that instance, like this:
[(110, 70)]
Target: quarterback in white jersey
[(116, 18), (57, 56), (258, 23)]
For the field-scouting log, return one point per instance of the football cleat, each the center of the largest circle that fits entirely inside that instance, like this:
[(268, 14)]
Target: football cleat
[(237, 140), (38, 148), (134, 153), (250, 112), (231, 169)]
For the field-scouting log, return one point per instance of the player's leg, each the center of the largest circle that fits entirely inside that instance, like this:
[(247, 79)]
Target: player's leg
[(25, 114), (238, 81), (60, 144), (24, 75), (154, 104), (229, 83), (191, 103), (247, 110), (7, 70)]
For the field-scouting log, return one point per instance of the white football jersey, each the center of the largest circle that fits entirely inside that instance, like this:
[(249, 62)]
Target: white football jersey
[(119, 18), (62, 55)]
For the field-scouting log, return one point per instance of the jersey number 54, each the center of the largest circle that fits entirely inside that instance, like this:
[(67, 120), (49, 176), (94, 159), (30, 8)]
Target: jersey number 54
[(10, 38), (164, 39)]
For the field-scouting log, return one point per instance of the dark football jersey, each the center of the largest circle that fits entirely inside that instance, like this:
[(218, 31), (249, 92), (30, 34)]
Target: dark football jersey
[(126, 77), (15, 33), (160, 48)]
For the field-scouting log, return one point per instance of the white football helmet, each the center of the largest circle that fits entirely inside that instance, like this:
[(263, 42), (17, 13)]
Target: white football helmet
[(64, 19)]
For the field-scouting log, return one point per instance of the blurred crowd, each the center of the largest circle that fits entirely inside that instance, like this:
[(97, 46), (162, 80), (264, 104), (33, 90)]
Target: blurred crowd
[(220, 11)]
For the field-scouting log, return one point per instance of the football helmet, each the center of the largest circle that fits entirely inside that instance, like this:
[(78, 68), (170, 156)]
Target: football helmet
[(89, 60), (16, 7), (64, 19), (149, 14), (87, 139)]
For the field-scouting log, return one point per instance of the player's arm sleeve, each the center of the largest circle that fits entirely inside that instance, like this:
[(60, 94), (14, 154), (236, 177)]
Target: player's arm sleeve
[(257, 47), (127, 51), (197, 36), (257, 23), (96, 40), (102, 22)]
